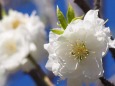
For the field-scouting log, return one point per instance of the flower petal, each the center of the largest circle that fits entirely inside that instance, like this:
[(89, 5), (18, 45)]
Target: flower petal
[(63, 52), (92, 16), (95, 45), (92, 66), (75, 81)]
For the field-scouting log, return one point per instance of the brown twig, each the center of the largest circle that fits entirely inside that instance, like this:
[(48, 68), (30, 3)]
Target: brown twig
[(38, 74), (97, 5), (112, 50), (83, 5), (106, 82), (0, 11), (36, 78)]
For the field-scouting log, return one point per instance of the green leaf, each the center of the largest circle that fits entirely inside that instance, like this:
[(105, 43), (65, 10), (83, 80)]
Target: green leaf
[(4, 12), (70, 13), (59, 25), (59, 32), (81, 17), (61, 18)]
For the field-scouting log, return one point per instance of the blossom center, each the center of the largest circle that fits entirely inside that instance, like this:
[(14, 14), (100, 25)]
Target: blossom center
[(15, 24), (79, 50), (10, 47)]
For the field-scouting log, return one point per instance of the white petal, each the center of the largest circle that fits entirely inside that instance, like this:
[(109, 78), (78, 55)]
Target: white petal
[(75, 81), (50, 47), (107, 31), (64, 53), (95, 45), (92, 16), (55, 68), (92, 67), (74, 26), (49, 64), (53, 65), (112, 43), (53, 37), (11, 65)]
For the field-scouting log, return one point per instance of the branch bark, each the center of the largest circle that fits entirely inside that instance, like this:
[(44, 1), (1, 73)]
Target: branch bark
[(0, 11), (83, 5), (97, 5), (106, 82), (38, 74)]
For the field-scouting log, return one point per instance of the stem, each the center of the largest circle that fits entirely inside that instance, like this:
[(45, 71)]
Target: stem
[(83, 5), (0, 11), (36, 77), (38, 74), (112, 50), (105, 82), (97, 5)]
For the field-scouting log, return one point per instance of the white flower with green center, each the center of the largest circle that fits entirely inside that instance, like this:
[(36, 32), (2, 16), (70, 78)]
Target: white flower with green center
[(14, 48), (77, 52)]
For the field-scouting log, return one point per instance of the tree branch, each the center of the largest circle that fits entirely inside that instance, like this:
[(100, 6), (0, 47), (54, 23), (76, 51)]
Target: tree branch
[(97, 5), (0, 11), (36, 78), (38, 74), (106, 82), (83, 5)]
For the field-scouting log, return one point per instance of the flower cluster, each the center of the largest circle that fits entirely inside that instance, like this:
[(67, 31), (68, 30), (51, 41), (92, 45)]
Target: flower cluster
[(20, 35), (77, 48)]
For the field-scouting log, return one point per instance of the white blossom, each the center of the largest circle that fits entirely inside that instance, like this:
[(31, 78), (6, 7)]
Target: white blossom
[(30, 26), (14, 48), (77, 53)]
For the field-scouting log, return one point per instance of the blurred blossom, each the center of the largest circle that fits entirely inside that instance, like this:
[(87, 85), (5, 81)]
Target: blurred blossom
[(47, 11), (77, 53), (31, 29), (14, 47)]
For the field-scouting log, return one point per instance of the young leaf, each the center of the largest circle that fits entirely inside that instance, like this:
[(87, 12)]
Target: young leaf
[(61, 18), (4, 12), (77, 18), (70, 13), (59, 32), (59, 25)]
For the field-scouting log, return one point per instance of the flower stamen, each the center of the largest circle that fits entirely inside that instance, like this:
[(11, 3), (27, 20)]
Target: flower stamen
[(15, 24), (10, 47), (79, 50)]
